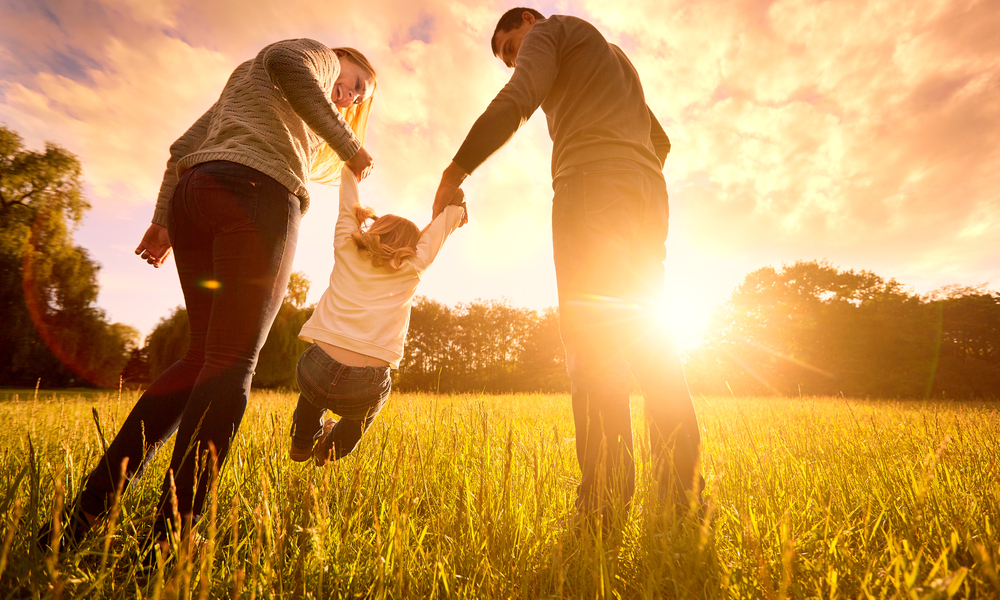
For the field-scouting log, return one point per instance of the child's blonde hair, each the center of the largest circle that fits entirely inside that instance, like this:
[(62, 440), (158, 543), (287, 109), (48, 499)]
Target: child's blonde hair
[(388, 241), (327, 163)]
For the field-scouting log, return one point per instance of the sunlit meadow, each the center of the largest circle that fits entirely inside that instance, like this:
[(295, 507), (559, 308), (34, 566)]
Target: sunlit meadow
[(468, 497)]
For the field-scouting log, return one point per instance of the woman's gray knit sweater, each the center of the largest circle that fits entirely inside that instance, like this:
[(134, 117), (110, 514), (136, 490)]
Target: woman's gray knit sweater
[(273, 115)]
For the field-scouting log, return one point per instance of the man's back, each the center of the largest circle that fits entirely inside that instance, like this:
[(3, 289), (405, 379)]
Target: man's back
[(589, 91), (595, 107)]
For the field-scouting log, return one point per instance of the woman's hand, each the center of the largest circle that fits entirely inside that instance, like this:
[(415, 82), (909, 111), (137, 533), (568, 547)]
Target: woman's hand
[(155, 245), (361, 163)]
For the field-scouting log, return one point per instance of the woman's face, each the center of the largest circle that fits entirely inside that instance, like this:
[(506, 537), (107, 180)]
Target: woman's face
[(354, 85)]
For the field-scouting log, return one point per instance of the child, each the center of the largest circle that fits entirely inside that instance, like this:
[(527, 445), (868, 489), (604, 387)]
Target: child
[(359, 326)]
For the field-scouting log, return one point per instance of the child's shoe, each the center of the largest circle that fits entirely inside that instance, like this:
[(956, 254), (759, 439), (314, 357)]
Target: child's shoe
[(300, 451), (74, 527), (323, 451)]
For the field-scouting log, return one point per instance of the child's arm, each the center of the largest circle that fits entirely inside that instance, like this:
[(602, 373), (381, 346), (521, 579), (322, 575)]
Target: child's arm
[(349, 196), (434, 236)]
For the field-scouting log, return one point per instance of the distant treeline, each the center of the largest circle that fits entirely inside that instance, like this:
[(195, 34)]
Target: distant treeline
[(804, 329), (810, 329), (485, 345)]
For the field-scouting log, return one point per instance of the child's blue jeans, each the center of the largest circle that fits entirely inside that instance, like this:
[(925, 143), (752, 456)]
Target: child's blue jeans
[(357, 394)]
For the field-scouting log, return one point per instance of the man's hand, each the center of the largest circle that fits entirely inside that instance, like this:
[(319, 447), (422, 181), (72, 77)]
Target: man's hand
[(361, 163), (451, 180), (155, 245)]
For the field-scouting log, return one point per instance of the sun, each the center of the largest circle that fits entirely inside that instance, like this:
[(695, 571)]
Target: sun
[(696, 282), (686, 319)]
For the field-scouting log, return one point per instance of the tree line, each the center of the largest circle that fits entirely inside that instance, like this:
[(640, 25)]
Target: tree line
[(811, 329), (802, 329), (480, 346), (52, 329)]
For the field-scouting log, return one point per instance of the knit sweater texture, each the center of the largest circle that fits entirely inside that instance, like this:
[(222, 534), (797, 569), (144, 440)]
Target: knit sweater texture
[(273, 115), (590, 93), (366, 309)]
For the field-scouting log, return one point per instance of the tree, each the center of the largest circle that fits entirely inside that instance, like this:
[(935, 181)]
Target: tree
[(298, 289), (968, 356), (542, 366), (485, 345), (428, 345), (48, 286), (136, 371), (809, 328), (168, 341)]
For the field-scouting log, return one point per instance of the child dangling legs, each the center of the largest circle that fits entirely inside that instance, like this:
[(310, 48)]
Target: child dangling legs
[(358, 328)]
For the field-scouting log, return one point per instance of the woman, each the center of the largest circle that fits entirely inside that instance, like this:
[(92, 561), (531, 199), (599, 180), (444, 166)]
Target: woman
[(229, 206)]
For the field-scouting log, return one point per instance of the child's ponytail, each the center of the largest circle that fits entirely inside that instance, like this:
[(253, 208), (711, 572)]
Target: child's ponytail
[(387, 241)]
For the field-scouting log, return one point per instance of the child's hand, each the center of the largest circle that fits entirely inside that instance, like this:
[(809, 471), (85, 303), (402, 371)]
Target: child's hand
[(459, 200), (451, 181), (361, 163)]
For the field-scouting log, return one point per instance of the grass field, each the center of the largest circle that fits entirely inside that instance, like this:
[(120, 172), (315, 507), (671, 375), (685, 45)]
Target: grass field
[(466, 497)]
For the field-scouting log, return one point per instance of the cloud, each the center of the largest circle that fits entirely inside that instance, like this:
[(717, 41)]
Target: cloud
[(827, 126), (122, 123)]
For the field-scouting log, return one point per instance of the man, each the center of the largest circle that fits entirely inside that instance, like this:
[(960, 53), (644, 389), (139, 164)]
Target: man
[(609, 225)]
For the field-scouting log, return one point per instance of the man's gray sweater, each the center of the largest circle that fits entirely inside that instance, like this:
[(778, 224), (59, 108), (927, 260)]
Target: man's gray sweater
[(591, 96)]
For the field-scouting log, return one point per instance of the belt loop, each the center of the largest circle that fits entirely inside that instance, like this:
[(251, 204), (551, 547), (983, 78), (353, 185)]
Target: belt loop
[(341, 369)]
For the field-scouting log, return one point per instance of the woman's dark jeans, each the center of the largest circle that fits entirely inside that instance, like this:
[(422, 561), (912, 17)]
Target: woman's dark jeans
[(609, 225), (357, 394), (233, 231)]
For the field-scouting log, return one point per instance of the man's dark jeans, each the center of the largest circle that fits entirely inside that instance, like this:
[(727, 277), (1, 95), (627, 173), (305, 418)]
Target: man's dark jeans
[(357, 394), (609, 225), (233, 231)]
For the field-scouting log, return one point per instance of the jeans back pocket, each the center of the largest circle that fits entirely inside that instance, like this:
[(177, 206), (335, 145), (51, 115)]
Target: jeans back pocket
[(225, 202)]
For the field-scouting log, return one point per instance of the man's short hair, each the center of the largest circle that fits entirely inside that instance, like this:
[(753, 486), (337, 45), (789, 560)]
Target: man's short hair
[(510, 20)]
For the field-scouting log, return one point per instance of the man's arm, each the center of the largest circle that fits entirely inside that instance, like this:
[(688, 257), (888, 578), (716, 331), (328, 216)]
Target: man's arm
[(661, 143), (537, 67)]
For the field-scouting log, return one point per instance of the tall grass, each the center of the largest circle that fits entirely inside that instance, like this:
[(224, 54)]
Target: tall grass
[(469, 497)]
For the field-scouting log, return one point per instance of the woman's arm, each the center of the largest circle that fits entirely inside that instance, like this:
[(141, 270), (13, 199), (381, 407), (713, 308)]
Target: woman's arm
[(305, 71)]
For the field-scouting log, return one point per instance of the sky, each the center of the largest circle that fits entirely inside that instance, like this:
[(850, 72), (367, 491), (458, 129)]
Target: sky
[(863, 133)]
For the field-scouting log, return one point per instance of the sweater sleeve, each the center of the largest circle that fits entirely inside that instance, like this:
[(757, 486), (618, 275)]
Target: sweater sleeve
[(661, 143), (536, 70), (433, 238), (305, 71), (192, 139)]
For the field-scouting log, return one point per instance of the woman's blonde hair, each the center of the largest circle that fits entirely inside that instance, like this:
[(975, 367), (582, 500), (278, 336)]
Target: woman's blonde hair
[(388, 241), (327, 164)]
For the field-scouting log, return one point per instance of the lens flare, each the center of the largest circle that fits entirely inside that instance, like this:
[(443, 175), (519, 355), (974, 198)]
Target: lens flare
[(69, 350), (210, 284)]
